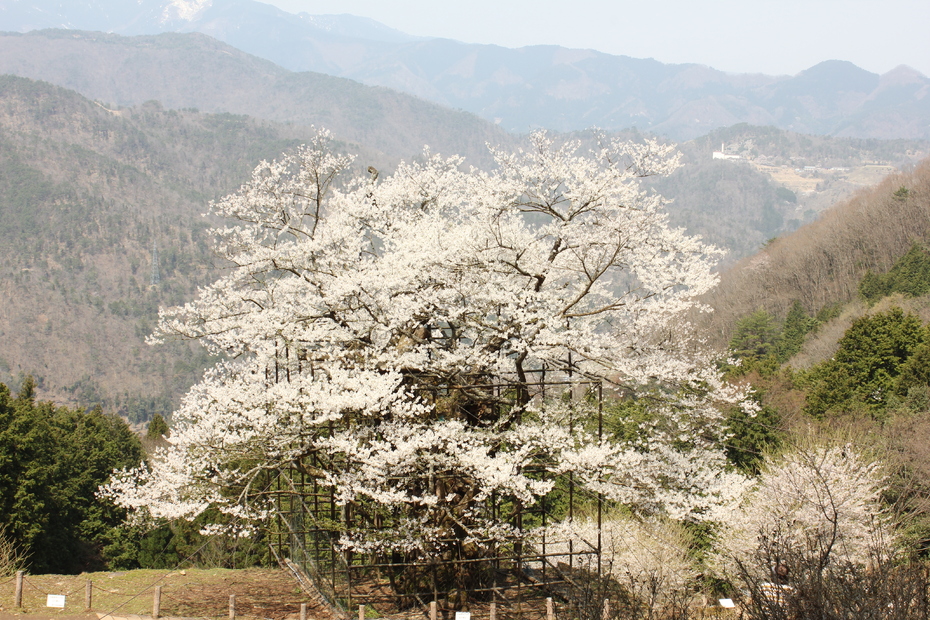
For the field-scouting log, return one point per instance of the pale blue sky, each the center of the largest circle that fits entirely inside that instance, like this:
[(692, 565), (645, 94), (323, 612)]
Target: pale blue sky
[(761, 36)]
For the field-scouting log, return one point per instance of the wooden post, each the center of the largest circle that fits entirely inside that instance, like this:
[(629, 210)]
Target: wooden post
[(493, 613), (550, 613), (433, 611), (156, 603), (606, 615), (88, 594), (232, 607), (18, 593), (303, 611), (361, 612)]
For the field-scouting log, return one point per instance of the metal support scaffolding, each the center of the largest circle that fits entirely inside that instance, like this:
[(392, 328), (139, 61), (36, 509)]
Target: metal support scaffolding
[(514, 575)]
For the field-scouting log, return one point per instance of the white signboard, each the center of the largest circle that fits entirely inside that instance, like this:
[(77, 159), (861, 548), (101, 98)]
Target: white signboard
[(726, 602), (462, 615), (55, 600)]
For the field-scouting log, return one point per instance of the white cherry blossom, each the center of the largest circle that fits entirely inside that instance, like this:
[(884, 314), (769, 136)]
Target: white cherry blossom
[(360, 318)]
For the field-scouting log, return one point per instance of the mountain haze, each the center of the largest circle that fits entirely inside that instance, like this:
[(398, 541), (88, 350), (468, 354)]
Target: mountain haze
[(194, 71), (539, 86)]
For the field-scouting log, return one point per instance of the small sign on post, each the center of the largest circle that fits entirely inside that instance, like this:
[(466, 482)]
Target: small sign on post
[(55, 600), (462, 615)]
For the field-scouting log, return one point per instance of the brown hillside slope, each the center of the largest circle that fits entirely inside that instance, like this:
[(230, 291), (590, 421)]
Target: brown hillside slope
[(86, 193), (823, 262), (195, 71)]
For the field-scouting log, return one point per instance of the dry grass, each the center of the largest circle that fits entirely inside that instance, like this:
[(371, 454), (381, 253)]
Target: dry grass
[(810, 181), (261, 594), (791, 179), (198, 593), (11, 560)]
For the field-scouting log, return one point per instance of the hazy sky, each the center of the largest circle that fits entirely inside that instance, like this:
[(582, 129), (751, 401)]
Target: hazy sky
[(761, 36)]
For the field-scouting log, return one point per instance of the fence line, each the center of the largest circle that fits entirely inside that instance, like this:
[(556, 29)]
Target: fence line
[(158, 595)]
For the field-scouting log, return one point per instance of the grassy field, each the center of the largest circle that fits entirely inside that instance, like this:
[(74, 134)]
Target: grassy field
[(194, 593)]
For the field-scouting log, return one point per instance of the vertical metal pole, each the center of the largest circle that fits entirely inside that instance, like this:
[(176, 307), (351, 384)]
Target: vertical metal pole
[(156, 603), (347, 512), (279, 534), (600, 498), (18, 593), (88, 594), (518, 551), (542, 381), (433, 582), (232, 607), (571, 475)]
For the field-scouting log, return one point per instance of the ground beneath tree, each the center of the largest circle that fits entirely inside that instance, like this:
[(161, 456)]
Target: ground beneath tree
[(261, 594), (270, 594)]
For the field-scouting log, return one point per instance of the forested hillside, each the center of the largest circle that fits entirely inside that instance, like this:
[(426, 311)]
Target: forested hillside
[(830, 325), (824, 262), (87, 194), (776, 182)]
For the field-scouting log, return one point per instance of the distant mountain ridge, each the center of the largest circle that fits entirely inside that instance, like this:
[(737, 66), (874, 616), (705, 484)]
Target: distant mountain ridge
[(195, 71), (539, 86)]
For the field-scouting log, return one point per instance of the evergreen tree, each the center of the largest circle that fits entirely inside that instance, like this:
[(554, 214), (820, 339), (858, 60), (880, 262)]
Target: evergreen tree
[(916, 370), (53, 461), (753, 437), (910, 275), (796, 327), (866, 366), (157, 427), (755, 337)]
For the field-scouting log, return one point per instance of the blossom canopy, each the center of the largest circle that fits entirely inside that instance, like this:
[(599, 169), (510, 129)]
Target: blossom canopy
[(360, 317)]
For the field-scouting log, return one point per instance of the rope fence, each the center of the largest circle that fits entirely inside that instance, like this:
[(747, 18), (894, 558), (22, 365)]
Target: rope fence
[(230, 611), (232, 608), (28, 595)]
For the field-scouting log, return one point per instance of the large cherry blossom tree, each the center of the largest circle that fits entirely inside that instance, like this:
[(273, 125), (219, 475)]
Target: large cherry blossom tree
[(355, 306)]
